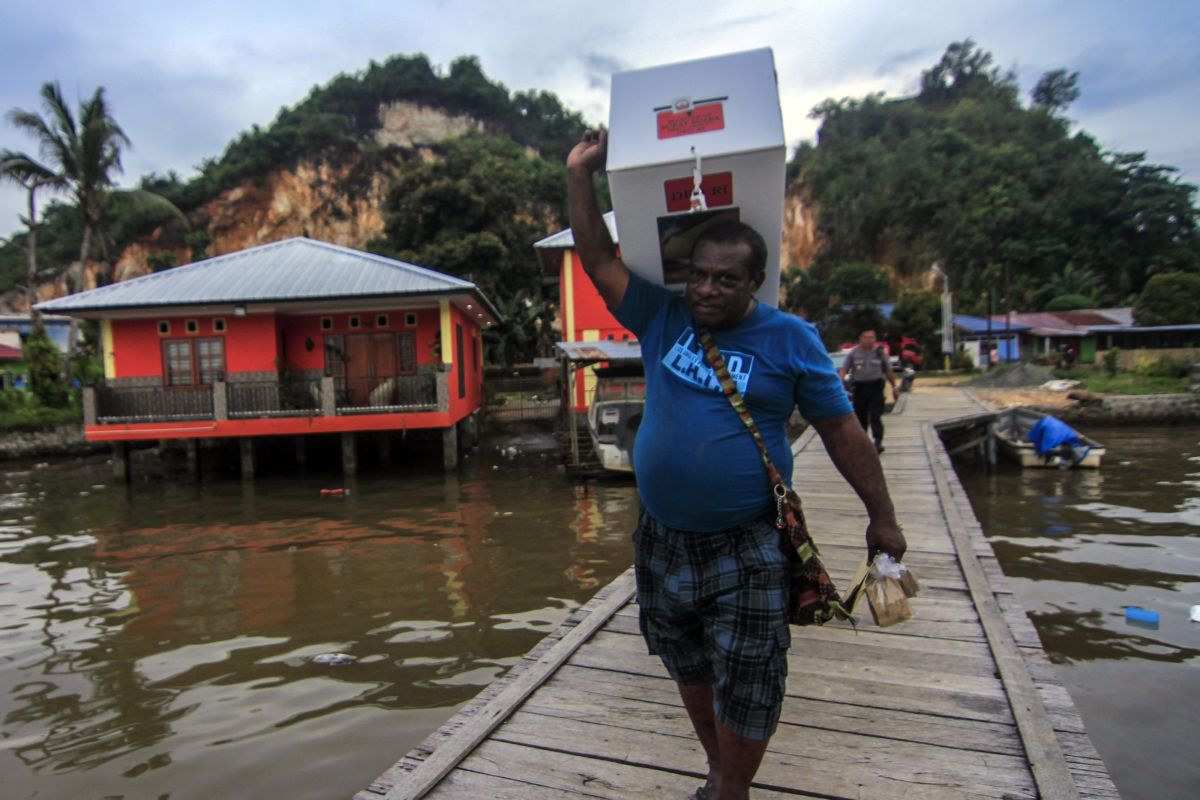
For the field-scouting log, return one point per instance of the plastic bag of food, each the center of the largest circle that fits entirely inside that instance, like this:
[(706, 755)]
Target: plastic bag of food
[(888, 590)]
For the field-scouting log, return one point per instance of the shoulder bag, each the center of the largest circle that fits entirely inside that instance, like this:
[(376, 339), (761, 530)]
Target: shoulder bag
[(813, 599)]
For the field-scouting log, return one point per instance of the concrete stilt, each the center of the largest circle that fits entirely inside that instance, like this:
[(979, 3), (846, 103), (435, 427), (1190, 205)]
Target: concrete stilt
[(120, 461), (349, 454), (450, 447), (246, 446), (192, 446)]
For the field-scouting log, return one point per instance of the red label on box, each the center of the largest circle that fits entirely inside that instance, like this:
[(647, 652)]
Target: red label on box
[(717, 188), (700, 119)]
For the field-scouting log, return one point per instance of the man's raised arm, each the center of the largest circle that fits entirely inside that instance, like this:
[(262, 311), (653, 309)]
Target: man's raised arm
[(608, 272)]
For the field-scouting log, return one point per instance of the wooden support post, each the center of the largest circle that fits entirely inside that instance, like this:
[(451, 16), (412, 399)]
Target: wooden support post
[(572, 417), (246, 447), (120, 461), (192, 447), (349, 455), (450, 447)]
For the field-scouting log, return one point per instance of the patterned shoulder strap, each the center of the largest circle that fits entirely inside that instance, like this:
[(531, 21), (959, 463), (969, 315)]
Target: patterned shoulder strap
[(712, 353)]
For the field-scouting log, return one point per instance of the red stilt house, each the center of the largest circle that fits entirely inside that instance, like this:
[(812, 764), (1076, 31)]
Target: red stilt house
[(295, 337)]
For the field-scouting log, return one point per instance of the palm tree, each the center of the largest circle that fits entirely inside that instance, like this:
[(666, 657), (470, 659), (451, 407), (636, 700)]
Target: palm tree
[(83, 153), (30, 175)]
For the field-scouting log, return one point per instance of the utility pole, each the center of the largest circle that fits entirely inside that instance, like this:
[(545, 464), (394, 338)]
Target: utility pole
[(947, 315)]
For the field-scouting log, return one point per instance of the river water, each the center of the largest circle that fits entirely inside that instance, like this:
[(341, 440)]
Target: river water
[(159, 642), (163, 640), (1079, 547)]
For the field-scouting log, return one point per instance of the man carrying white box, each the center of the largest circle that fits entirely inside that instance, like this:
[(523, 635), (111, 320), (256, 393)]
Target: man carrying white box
[(712, 579)]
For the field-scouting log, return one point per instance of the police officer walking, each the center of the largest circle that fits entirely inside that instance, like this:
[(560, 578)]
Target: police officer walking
[(868, 366)]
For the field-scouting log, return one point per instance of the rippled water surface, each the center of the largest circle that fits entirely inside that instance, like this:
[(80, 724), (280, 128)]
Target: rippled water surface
[(160, 641), (1081, 546)]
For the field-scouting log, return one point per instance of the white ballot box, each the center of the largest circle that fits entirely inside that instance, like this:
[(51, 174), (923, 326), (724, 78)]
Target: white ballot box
[(716, 120)]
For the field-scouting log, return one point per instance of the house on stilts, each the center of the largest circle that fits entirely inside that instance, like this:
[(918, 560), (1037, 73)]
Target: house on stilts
[(288, 339)]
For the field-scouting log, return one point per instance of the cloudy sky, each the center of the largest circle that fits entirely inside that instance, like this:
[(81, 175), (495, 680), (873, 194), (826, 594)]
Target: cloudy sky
[(183, 79)]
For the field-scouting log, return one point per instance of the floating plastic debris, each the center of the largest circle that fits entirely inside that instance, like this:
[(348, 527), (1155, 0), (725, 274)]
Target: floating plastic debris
[(334, 659), (1195, 614), (1142, 616), (334, 492)]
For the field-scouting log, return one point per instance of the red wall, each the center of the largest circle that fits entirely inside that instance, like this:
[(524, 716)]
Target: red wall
[(255, 342), (589, 308), (250, 344), (300, 327), (473, 369)]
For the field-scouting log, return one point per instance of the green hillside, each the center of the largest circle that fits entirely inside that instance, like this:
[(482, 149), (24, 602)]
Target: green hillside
[(1007, 196)]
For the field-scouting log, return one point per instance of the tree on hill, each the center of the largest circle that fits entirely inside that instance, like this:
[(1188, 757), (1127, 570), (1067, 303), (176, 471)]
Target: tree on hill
[(961, 173), (31, 176), (83, 153), (1170, 298), (475, 213)]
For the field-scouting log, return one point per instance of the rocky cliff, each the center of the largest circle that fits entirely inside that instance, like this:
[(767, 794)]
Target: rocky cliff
[(801, 239)]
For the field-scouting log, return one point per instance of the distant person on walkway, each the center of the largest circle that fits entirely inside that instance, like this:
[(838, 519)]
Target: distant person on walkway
[(868, 366), (712, 578)]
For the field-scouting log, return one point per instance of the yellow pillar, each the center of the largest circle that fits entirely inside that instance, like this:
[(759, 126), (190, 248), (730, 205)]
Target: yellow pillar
[(106, 346), (447, 342)]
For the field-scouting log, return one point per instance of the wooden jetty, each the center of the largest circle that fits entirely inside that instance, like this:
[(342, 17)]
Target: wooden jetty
[(958, 702)]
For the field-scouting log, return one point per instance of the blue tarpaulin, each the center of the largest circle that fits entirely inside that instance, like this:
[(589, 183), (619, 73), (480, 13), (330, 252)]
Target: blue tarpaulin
[(1050, 433)]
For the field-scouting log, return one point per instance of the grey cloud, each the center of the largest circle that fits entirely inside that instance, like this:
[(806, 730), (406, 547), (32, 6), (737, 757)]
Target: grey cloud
[(599, 67), (905, 63)]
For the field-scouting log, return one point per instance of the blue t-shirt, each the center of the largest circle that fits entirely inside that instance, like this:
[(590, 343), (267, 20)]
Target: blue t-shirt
[(697, 466)]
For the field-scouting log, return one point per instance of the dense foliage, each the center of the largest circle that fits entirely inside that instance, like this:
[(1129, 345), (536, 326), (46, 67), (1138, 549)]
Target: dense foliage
[(475, 213), (45, 365), (1004, 196), (1170, 298)]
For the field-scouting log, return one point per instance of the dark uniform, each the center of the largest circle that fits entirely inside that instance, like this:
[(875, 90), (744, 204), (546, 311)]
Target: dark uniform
[(867, 370)]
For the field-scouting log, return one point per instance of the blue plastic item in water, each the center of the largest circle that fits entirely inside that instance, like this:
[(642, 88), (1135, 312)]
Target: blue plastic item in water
[(1135, 614)]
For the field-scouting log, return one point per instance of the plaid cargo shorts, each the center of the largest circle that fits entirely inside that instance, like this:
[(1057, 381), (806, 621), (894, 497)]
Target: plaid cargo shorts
[(713, 607)]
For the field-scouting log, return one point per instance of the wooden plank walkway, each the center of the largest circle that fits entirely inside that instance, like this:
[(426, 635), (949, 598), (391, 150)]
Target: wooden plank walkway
[(958, 702)]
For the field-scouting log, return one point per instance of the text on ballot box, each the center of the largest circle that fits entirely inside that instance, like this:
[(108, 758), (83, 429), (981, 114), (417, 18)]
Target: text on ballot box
[(690, 144)]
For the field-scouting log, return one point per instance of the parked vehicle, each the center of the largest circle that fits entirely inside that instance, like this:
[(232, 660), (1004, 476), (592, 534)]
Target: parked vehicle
[(615, 415)]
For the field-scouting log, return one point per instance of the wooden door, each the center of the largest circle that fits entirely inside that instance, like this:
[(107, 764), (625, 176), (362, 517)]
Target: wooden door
[(359, 368)]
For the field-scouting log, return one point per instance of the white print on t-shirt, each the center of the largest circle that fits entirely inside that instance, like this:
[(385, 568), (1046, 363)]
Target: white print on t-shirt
[(686, 359)]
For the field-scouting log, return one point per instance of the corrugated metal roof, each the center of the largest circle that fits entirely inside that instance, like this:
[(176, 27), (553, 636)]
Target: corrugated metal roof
[(1144, 328), (1070, 323), (603, 350), (565, 238), (980, 324), (291, 270)]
